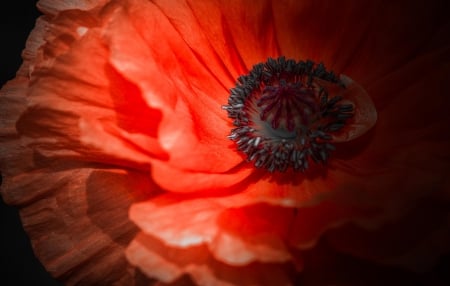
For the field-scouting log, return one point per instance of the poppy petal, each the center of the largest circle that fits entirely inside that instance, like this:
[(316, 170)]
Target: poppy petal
[(78, 224), (311, 222), (202, 34), (323, 32), (207, 222), (61, 105), (189, 98), (365, 114), (288, 189), (385, 37), (189, 182), (167, 264), (415, 241), (246, 27), (52, 7), (11, 106)]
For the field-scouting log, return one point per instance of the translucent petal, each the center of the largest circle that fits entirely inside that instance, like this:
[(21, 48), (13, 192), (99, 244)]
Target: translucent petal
[(365, 114)]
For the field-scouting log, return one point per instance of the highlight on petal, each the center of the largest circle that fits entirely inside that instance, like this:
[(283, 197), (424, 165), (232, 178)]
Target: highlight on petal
[(207, 221), (229, 231), (167, 264), (241, 228), (190, 182), (189, 98)]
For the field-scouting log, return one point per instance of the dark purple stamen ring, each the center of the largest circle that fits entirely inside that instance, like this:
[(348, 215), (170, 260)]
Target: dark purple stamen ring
[(284, 116)]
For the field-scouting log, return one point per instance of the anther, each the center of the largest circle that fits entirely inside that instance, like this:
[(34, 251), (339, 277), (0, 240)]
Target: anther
[(284, 116)]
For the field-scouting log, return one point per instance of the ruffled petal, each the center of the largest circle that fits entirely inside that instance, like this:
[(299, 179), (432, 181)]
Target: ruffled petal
[(246, 226), (256, 233), (214, 223), (52, 7), (229, 233), (167, 264), (75, 214), (78, 224), (65, 119), (11, 106)]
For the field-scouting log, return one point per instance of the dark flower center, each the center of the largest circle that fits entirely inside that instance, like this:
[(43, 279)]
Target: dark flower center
[(284, 116)]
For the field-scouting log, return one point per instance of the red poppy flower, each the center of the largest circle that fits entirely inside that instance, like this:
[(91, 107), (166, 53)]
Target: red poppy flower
[(120, 112)]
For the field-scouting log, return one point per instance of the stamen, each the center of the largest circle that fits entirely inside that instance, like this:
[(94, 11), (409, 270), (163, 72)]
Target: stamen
[(284, 116)]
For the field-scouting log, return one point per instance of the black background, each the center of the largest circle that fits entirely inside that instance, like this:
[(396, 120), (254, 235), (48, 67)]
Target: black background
[(18, 265)]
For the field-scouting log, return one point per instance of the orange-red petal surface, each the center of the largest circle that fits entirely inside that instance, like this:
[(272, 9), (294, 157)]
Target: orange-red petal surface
[(193, 128), (167, 264), (209, 222), (77, 102)]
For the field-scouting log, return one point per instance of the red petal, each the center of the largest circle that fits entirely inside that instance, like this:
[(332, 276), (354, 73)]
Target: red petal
[(197, 24), (365, 114), (188, 182), (288, 189), (323, 32), (12, 104), (78, 224), (415, 241), (55, 6), (62, 104), (240, 33), (255, 232), (385, 37), (246, 28), (311, 222), (167, 264), (207, 221), (193, 128)]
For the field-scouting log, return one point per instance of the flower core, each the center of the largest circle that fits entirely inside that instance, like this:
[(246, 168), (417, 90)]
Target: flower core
[(283, 114)]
